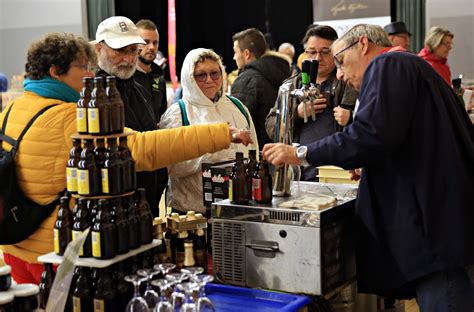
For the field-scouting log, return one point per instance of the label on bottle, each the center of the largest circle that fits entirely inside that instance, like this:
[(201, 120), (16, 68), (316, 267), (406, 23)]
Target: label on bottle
[(81, 119), (257, 189), (56, 241), (231, 193), (83, 181), (71, 177), (76, 304), (105, 180), (75, 234), (99, 305), (93, 120), (96, 252)]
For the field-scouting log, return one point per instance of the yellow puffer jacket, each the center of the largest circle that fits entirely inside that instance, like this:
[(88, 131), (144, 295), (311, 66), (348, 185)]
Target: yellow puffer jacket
[(42, 157)]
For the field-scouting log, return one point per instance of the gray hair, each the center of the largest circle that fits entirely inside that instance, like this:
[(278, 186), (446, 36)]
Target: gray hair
[(374, 33), (286, 45), (435, 36)]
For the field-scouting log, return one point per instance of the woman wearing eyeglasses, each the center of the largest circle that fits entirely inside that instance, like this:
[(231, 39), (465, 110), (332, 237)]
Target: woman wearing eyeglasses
[(203, 102), (438, 44)]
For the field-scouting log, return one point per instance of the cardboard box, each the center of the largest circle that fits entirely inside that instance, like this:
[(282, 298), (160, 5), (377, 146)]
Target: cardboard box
[(220, 181), (207, 180)]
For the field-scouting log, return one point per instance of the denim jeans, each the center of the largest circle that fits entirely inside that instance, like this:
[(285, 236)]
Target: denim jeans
[(446, 291)]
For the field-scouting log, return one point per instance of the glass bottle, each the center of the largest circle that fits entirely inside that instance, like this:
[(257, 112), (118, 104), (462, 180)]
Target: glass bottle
[(145, 216), (105, 293), (104, 233), (71, 168), (112, 171), (116, 105), (88, 174), (62, 227), (200, 248), (162, 250), (172, 236), (122, 226), (128, 164), (98, 110), (251, 167), (189, 260), (100, 152), (92, 207), (81, 109), (124, 289), (238, 182), (82, 221), (82, 295), (262, 183), (47, 278), (182, 236), (134, 237)]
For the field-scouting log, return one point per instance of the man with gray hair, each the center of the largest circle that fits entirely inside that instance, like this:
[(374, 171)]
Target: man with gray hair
[(414, 211)]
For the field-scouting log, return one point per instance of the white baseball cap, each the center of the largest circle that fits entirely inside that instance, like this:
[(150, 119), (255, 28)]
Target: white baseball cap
[(117, 32)]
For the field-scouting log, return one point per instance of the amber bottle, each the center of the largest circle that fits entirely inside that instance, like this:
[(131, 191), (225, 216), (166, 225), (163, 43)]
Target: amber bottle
[(81, 109), (71, 168), (122, 226), (262, 185), (88, 173), (112, 171), (105, 293), (62, 227), (82, 221), (145, 216), (128, 164), (117, 113), (134, 237), (98, 110), (250, 167), (104, 233), (238, 181), (100, 152), (200, 249), (82, 294), (46, 282)]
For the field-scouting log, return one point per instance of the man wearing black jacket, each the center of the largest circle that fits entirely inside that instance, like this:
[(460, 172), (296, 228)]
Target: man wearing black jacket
[(117, 46)]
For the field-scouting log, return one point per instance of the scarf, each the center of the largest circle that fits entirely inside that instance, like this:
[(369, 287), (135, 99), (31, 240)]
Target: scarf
[(52, 89)]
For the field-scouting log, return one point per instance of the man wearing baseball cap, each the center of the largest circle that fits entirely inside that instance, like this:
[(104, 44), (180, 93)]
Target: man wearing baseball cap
[(398, 34), (117, 43)]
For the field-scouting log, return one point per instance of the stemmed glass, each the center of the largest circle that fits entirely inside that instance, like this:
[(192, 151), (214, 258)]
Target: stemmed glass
[(165, 268), (188, 289), (165, 292), (151, 297), (203, 303), (137, 304), (177, 296), (192, 271)]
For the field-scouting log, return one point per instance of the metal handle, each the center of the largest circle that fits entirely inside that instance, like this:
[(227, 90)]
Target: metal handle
[(272, 248)]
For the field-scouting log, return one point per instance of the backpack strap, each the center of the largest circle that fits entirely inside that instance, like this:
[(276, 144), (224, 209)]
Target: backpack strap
[(184, 115), (240, 106), (4, 137)]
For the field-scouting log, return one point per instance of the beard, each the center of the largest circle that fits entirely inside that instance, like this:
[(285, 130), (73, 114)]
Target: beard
[(144, 60), (122, 70)]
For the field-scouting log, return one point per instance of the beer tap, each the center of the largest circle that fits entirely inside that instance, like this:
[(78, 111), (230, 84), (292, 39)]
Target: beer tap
[(309, 91)]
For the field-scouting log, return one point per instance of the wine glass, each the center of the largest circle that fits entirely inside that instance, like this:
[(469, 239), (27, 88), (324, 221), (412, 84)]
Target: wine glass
[(191, 271), (188, 289), (137, 304), (165, 293), (165, 268), (151, 297), (203, 303), (177, 296)]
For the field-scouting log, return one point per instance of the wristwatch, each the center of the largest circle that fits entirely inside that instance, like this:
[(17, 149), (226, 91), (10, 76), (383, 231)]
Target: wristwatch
[(301, 152)]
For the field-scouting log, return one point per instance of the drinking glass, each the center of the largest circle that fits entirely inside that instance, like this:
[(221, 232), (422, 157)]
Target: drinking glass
[(191, 271), (165, 293), (188, 289), (203, 303), (177, 298), (150, 296), (165, 268), (137, 304)]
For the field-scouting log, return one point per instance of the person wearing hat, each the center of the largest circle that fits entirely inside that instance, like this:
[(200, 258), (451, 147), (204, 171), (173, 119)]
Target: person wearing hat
[(117, 44), (398, 34)]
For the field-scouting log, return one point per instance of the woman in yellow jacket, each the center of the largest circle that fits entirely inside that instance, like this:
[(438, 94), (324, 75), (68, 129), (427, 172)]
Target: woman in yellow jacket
[(54, 71)]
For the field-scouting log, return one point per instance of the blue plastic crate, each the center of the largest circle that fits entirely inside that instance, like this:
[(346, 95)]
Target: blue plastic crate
[(233, 298)]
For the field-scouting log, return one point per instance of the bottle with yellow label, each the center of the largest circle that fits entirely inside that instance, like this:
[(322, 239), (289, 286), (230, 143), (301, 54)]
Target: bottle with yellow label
[(63, 227), (81, 110), (98, 110), (105, 295), (82, 221), (88, 174), (104, 233), (82, 295), (112, 171), (71, 168)]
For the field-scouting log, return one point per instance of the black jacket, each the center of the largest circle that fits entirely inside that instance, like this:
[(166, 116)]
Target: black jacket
[(140, 116), (257, 87), (156, 86)]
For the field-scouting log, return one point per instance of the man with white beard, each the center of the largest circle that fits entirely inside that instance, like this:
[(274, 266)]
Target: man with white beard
[(117, 46)]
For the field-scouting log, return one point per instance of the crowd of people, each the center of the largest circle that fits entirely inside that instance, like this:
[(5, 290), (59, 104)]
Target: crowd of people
[(390, 112)]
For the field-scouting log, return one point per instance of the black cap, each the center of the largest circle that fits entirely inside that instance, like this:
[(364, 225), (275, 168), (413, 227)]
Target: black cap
[(396, 28)]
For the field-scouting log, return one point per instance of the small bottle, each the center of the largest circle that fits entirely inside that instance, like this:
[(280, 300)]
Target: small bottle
[(162, 250), (81, 109), (112, 171), (98, 110), (200, 247), (134, 238), (182, 236), (100, 152), (46, 282), (238, 182), (122, 226), (122, 287), (88, 173), (262, 183), (62, 227), (105, 293), (82, 295), (251, 166), (82, 221), (145, 216), (104, 233), (71, 168), (188, 254), (117, 114), (128, 164), (172, 237)]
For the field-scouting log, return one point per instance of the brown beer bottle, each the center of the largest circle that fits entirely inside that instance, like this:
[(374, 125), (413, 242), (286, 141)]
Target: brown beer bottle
[(238, 182), (128, 164), (62, 227), (251, 166), (112, 171), (81, 222), (47, 278), (200, 247), (172, 236), (88, 174), (71, 168), (122, 225), (182, 236), (162, 249), (81, 109), (98, 110), (116, 105), (133, 223), (99, 152), (82, 294), (262, 183), (105, 293), (104, 233), (146, 217)]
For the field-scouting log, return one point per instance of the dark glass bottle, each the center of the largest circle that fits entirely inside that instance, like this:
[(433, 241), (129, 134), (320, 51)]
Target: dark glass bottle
[(134, 237), (82, 221), (182, 236), (69, 302), (98, 110), (82, 295), (128, 164), (47, 278), (92, 207), (81, 109), (100, 152), (62, 227), (162, 250), (112, 171), (200, 249), (71, 169), (122, 226), (124, 289), (104, 233), (117, 114), (145, 216), (88, 174), (105, 293), (238, 182), (262, 183), (251, 166)]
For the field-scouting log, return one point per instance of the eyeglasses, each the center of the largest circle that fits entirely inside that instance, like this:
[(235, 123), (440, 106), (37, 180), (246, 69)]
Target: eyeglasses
[(323, 52), (337, 61), (201, 77), (87, 67), (447, 44)]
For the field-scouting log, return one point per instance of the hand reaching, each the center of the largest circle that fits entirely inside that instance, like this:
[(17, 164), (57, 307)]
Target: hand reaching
[(240, 136)]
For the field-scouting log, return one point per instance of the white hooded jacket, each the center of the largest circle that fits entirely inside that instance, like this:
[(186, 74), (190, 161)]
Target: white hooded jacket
[(185, 189)]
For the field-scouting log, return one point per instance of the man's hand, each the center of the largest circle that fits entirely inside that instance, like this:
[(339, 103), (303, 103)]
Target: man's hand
[(355, 174), (341, 115), (279, 154), (240, 136), (319, 106)]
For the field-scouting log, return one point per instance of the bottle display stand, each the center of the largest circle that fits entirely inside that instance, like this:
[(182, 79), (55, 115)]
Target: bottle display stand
[(97, 136), (97, 263)]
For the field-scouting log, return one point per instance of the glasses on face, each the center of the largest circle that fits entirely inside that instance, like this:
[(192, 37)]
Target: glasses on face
[(201, 77), (448, 44), (338, 61), (87, 67), (323, 52)]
